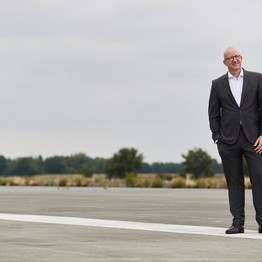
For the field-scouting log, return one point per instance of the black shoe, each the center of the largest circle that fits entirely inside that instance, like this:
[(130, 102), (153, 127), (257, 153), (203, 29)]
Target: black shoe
[(236, 230), (260, 229)]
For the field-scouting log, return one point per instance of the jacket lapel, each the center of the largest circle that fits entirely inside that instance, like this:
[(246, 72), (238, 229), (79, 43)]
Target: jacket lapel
[(245, 82)]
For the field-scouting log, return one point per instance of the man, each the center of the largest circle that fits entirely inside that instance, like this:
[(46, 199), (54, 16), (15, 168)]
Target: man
[(235, 119)]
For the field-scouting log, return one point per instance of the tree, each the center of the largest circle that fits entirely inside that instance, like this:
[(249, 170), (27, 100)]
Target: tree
[(146, 168), (80, 162), (3, 165), (217, 167), (166, 168), (76, 162), (99, 165), (127, 160), (198, 163), (25, 166), (55, 165), (87, 170)]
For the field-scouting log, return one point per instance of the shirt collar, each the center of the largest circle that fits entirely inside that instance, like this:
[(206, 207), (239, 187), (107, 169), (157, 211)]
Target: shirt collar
[(231, 76)]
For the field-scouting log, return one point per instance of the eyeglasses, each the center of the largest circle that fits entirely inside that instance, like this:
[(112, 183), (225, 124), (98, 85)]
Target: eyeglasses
[(231, 58)]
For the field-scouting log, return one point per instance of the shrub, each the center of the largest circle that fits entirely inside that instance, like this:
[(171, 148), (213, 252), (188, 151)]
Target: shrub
[(200, 183), (78, 180), (248, 183), (49, 182), (131, 179), (62, 182), (143, 182), (178, 182), (157, 182), (116, 182), (3, 182)]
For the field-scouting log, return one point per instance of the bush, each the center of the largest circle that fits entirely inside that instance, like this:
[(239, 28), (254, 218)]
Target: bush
[(178, 182), (248, 183), (49, 182), (131, 180), (3, 182), (157, 182), (200, 183), (62, 182), (78, 180), (216, 183)]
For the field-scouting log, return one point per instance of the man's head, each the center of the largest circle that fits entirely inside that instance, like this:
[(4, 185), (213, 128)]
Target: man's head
[(233, 60)]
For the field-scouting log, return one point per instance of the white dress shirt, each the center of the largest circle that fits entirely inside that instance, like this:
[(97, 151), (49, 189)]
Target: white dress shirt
[(236, 86)]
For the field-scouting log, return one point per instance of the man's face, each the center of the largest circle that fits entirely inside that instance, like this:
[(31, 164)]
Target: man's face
[(233, 60)]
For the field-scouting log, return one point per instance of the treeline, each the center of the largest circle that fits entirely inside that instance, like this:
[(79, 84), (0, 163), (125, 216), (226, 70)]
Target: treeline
[(79, 164), (173, 168)]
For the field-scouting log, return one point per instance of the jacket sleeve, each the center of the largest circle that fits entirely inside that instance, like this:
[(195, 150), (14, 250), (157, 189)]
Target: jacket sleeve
[(214, 109), (260, 100)]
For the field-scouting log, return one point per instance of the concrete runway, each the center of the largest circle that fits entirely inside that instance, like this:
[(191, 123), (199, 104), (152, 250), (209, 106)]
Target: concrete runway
[(122, 224)]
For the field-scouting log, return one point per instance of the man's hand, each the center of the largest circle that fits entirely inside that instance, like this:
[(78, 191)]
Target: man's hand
[(258, 145)]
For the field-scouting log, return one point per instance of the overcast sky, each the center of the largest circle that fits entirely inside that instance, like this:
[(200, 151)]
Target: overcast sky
[(94, 76)]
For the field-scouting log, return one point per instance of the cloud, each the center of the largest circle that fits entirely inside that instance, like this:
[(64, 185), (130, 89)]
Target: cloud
[(94, 76)]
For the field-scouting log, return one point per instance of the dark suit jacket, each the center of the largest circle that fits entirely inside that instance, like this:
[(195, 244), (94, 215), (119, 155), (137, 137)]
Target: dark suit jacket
[(225, 115)]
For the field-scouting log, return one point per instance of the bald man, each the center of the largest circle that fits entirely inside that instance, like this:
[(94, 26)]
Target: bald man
[(235, 119)]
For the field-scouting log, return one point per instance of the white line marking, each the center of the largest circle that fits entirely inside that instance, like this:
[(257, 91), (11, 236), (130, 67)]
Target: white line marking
[(155, 227)]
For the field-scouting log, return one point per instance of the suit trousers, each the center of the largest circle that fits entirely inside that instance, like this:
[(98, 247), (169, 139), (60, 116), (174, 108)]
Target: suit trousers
[(232, 161)]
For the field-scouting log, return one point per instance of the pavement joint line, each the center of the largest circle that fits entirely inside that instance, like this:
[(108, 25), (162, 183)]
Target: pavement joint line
[(130, 225)]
